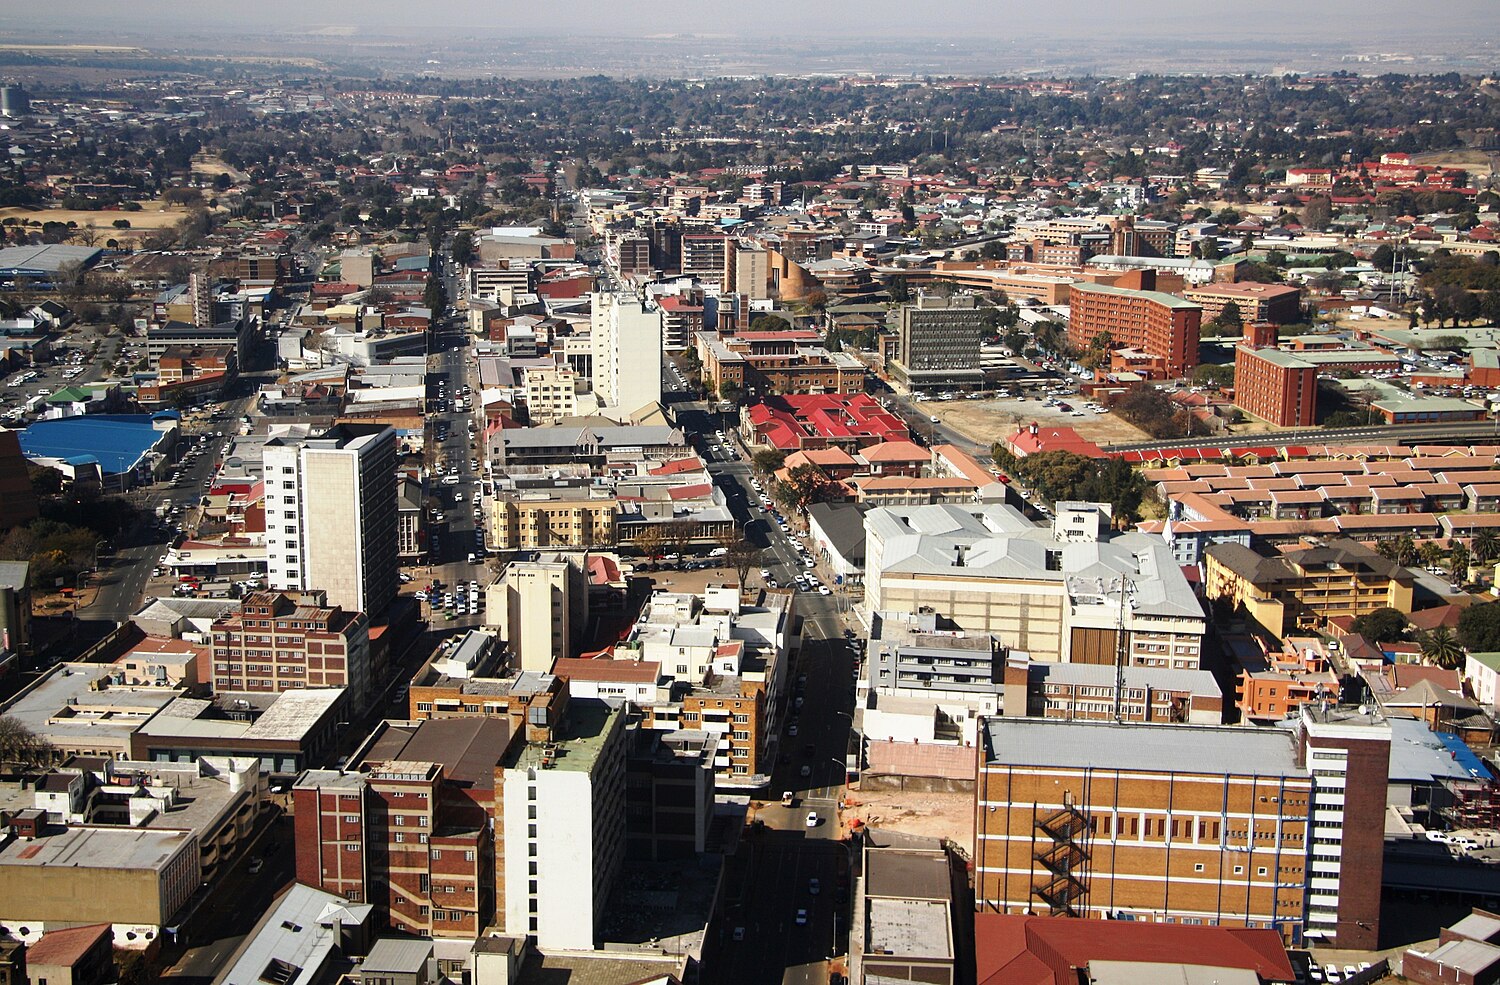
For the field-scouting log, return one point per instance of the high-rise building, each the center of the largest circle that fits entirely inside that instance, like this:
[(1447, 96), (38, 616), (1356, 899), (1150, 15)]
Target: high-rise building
[(1162, 325), (331, 514), (752, 272), (1276, 828), (1276, 386), (710, 259), (627, 345), (451, 825), (536, 606), (938, 343), (14, 101)]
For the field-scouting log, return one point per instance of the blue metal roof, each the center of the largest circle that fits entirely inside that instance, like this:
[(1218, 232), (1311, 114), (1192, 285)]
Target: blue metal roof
[(1463, 755), (118, 441)]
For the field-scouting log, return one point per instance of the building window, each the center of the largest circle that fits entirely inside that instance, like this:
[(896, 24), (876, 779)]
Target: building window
[(1239, 870), (469, 856), (1198, 867)]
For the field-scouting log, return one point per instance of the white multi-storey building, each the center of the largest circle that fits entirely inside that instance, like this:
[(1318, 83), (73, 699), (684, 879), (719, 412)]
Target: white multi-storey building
[(627, 347), (331, 515)]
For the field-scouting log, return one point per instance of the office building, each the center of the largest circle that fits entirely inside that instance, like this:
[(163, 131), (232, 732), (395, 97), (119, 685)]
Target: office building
[(1162, 325), (710, 259), (906, 923), (1075, 593), (331, 516), (938, 343), (15, 604), (1303, 589), (450, 825), (18, 500), (305, 929), (1278, 387), (537, 607), (275, 643), (752, 272), (563, 820), (1263, 828), (626, 337)]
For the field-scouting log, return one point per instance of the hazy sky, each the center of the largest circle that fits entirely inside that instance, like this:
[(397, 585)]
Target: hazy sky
[(1389, 22)]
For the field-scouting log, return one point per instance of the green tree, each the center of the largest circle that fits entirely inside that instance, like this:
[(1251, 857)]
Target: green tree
[(1458, 562), (1484, 545), (1441, 647), (435, 296), (769, 323), (1479, 628), (1384, 625), (463, 247), (1230, 319), (768, 461), (804, 485)]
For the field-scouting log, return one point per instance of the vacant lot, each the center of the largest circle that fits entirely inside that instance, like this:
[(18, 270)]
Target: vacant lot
[(153, 215), (929, 815), (987, 421)]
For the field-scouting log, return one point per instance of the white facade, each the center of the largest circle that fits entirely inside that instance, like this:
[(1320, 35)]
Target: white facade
[(627, 348), (331, 517), (564, 838)]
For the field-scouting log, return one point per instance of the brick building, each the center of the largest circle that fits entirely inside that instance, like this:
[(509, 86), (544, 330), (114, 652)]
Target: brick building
[(1263, 828), (1276, 386), (1161, 324), (1280, 304), (277, 643)]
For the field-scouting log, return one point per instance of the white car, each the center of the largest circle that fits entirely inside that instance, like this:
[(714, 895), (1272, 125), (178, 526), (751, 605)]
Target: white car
[(824, 590), (813, 820)]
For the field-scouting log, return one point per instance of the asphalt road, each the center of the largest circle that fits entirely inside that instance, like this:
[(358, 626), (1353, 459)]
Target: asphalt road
[(451, 367), (769, 879)]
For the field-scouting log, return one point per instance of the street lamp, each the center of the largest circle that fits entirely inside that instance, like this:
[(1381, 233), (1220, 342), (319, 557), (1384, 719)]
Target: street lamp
[(98, 545)]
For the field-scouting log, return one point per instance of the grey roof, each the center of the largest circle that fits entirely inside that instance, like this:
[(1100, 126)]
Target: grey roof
[(13, 574), (299, 931), (907, 873), (101, 848), (64, 706), (50, 258), (1161, 678), (844, 526), (397, 956), (1205, 749), (998, 542), (1473, 957)]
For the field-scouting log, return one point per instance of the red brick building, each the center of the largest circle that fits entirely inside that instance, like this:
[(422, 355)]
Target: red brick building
[(1273, 385), (413, 834), (276, 643), (1161, 324), (1280, 304)]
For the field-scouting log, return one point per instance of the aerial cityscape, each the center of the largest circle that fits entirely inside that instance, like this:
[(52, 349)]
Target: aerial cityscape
[(641, 495)]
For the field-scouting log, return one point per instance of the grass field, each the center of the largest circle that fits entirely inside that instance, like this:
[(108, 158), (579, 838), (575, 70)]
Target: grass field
[(153, 216)]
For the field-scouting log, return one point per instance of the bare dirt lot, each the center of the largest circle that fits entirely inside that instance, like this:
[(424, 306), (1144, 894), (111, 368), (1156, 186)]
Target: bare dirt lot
[(930, 815), (987, 421)]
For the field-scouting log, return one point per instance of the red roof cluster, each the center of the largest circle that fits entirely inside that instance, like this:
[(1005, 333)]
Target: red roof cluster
[(794, 421)]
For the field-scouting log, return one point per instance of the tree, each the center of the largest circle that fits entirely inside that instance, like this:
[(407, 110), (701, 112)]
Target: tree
[(742, 555), (463, 248), (1431, 554), (20, 746), (803, 486), (651, 541), (1479, 628), (1458, 562), (1384, 625), (729, 390), (768, 460), (435, 296), (769, 323), (1317, 212), (1484, 545), (679, 534), (1441, 647), (1229, 318)]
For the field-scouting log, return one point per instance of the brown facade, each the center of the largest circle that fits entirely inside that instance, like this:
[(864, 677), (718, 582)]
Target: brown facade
[(1161, 845), (1160, 324), (274, 644)]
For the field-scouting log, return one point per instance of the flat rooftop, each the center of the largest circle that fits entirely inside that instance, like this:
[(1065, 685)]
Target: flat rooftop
[(65, 707), (100, 848), (579, 741), (1208, 749), (908, 928)]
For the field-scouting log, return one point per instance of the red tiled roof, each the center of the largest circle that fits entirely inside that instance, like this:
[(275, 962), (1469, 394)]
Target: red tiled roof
[(1019, 950), (607, 669), (63, 948)]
